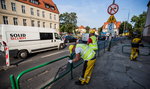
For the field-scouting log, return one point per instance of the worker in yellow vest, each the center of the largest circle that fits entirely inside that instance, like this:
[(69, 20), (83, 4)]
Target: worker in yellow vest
[(135, 43), (83, 51), (92, 41)]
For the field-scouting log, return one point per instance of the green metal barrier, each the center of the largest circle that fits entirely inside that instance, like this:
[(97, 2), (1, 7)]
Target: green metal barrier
[(15, 81), (128, 45)]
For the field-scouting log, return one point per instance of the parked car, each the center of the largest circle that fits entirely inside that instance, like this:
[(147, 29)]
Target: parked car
[(68, 39)]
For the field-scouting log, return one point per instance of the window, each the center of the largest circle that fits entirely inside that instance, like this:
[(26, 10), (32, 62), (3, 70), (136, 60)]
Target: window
[(32, 23), (44, 24), (47, 5), (38, 13), (56, 36), (54, 26), (50, 25), (46, 36), (50, 16), (38, 23), (13, 6), (23, 9), (52, 7), (43, 14), (54, 17), (34, 1), (5, 19), (24, 22), (3, 4), (15, 21), (32, 12)]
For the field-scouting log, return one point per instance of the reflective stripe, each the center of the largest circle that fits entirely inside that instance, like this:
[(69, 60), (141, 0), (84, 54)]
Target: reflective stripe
[(88, 77), (89, 55)]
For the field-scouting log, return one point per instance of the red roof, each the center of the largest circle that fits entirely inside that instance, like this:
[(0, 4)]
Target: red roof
[(116, 23), (42, 4), (81, 27)]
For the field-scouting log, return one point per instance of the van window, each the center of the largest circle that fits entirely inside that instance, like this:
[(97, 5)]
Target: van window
[(56, 36), (46, 36)]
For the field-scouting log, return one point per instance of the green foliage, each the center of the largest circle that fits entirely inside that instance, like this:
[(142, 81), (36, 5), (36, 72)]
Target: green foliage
[(139, 22), (68, 22), (100, 29), (87, 29), (125, 26)]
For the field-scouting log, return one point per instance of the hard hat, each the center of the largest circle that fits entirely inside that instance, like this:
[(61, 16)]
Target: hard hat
[(92, 31), (70, 48)]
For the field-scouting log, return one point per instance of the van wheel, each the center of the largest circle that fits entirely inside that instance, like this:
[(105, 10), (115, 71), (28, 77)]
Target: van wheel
[(61, 46), (23, 54)]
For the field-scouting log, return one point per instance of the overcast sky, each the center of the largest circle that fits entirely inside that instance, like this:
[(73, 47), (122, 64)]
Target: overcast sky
[(93, 13)]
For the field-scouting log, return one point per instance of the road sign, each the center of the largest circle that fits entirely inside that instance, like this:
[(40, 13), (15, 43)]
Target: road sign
[(110, 28), (113, 9), (111, 19)]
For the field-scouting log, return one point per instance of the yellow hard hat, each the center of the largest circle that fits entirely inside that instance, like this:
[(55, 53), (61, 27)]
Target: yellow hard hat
[(92, 31), (70, 48)]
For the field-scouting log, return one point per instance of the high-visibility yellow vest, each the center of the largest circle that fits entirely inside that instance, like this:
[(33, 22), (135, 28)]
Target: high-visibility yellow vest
[(87, 53), (93, 45)]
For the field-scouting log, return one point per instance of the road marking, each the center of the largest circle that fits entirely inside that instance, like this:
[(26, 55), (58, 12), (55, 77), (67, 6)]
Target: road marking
[(54, 53)]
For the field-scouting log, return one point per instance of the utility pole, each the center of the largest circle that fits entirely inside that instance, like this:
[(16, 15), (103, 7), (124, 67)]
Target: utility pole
[(113, 1)]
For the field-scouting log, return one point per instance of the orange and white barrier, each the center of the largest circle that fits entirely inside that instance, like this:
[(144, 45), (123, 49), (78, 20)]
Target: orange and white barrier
[(6, 49)]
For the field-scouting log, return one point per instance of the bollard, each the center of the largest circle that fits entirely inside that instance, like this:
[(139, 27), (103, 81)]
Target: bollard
[(6, 49)]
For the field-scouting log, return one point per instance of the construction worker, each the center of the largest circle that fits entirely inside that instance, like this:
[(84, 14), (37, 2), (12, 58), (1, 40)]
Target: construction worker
[(83, 51), (135, 43), (92, 41)]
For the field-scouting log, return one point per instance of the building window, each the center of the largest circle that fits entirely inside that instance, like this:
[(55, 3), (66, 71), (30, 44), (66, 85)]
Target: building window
[(50, 25), (50, 16), (5, 19), (23, 9), (38, 13), (38, 23), (24, 22), (15, 21), (52, 7), (3, 4), (13, 6), (34, 1), (43, 14), (54, 26), (54, 17), (44, 24), (32, 23), (32, 12), (47, 5)]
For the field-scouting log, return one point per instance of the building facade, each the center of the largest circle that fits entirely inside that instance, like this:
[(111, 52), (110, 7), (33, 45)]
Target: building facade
[(35, 13), (146, 31), (80, 30), (116, 26)]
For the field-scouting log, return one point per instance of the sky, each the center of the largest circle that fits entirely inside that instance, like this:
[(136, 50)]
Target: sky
[(93, 13)]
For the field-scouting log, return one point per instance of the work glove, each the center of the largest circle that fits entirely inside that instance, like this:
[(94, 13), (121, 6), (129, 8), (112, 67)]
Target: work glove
[(70, 61)]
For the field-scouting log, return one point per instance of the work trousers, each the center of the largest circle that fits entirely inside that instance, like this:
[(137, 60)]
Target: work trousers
[(134, 53), (87, 71)]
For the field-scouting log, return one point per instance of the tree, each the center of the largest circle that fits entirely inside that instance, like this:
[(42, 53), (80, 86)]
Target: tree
[(125, 26), (100, 29), (68, 22), (87, 29), (139, 22)]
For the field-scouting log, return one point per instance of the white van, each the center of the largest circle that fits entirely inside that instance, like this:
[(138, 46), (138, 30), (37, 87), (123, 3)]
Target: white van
[(23, 40)]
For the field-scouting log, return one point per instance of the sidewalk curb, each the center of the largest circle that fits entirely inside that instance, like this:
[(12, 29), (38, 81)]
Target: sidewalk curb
[(3, 68)]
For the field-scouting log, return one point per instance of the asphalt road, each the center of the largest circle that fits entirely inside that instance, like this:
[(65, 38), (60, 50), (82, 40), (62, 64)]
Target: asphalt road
[(37, 78)]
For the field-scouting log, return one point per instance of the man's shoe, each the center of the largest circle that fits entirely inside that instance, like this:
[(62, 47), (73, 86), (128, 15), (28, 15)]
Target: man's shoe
[(78, 82)]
